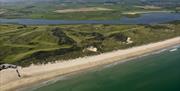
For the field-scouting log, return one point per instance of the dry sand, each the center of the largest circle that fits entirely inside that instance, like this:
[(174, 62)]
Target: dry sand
[(148, 7), (145, 12), (38, 73), (83, 10), (2, 12)]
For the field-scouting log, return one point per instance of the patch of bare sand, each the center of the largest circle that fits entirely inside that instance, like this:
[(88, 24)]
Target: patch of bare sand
[(2, 11), (83, 10), (148, 7), (145, 12)]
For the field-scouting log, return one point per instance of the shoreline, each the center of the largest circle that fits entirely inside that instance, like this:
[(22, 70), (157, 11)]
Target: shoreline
[(31, 75), (69, 75)]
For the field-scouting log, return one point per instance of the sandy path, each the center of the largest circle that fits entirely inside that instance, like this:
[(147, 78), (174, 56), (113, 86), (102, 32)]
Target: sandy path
[(37, 73)]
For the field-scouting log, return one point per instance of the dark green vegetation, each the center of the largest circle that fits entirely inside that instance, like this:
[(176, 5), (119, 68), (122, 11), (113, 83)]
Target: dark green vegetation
[(23, 45), (45, 9), (159, 72)]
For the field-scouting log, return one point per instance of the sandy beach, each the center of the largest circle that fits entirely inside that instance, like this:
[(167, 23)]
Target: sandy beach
[(9, 80)]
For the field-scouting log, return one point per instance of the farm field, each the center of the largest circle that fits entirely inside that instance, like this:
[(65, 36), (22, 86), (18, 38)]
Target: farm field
[(77, 10)]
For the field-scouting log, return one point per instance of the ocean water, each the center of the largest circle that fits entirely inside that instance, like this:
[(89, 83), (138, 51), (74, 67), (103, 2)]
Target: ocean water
[(157, 72)]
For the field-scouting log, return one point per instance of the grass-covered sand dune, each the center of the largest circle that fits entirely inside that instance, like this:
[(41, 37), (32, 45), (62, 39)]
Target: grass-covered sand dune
[(23, 45)]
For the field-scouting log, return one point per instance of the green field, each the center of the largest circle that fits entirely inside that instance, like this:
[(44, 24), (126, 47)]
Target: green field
[(45, 10), (23, 45)]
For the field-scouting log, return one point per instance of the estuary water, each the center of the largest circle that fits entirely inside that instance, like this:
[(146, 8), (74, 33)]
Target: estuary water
[(148, 18), (157, 72)]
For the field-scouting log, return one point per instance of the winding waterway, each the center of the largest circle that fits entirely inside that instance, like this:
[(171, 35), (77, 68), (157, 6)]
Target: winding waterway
[(148, 18)]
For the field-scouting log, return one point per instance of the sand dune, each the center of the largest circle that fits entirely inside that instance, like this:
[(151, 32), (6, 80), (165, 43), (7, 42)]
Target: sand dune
[(38, 73)]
